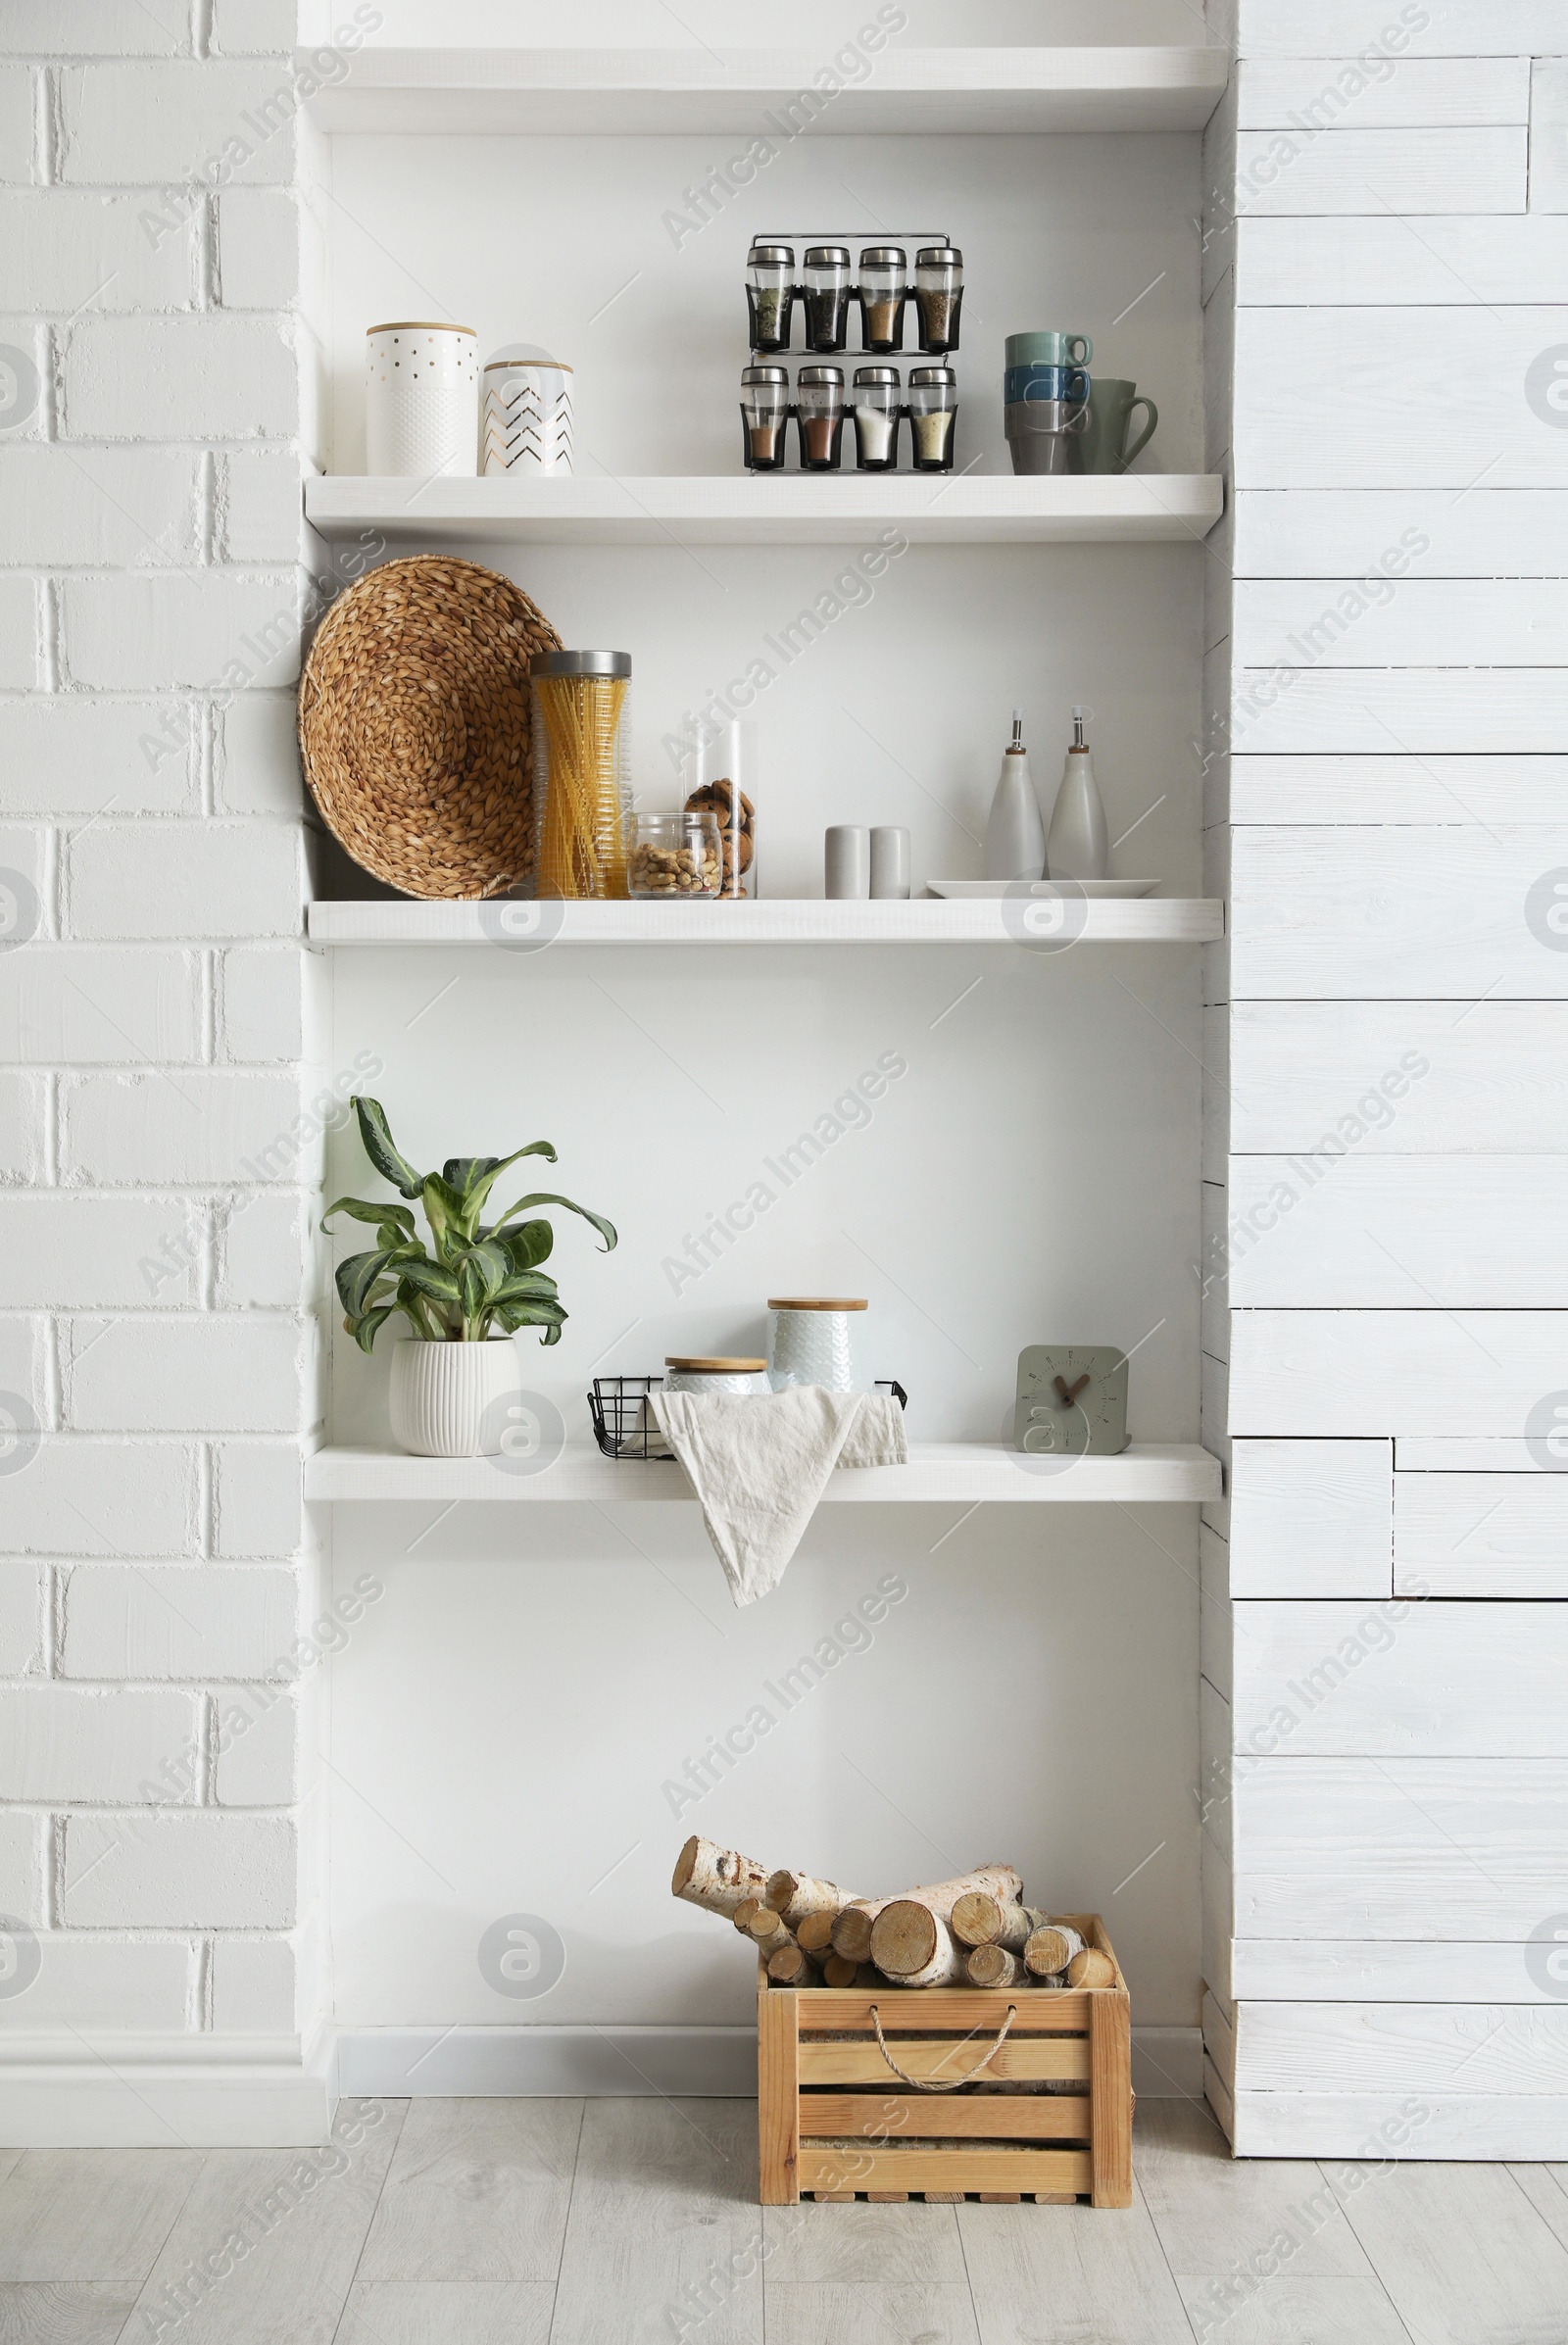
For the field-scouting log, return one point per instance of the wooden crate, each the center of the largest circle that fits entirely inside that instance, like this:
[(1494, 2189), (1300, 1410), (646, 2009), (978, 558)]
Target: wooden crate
[(836, 2122)]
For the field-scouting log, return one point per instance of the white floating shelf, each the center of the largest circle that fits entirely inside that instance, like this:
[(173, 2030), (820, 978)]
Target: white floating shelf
[(776, 920), (773, 508), (648, 92), (1147, 1474)]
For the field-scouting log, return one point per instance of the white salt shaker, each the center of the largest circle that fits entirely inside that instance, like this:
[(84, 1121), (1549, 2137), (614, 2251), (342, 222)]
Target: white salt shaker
[(847, 862), (421, 400), (890, 862)]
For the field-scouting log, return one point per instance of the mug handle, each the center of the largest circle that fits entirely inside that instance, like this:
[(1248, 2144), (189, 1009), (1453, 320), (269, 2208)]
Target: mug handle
[(1084, 386), (1085, 355), (1145, 435)]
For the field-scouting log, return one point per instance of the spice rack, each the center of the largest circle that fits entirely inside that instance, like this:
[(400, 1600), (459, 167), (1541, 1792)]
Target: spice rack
[(825, 282)]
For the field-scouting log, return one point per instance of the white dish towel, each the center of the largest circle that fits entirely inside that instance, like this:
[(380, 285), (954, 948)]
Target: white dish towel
[(758, 1463)]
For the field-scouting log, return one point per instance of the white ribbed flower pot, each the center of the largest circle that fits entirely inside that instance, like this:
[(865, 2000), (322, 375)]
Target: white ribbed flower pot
[(441, 1393)]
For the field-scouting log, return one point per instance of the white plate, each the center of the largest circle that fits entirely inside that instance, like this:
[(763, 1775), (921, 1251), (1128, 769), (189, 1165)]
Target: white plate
[(1096, 890)]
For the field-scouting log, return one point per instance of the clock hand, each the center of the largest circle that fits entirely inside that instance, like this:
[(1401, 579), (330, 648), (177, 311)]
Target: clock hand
[(1060, 1383), (1070, 1394)]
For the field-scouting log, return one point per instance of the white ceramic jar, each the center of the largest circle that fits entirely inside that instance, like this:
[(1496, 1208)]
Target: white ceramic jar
[(444, 1396), (421, 400), (709, 1375), (814, 1341), (526, 416)]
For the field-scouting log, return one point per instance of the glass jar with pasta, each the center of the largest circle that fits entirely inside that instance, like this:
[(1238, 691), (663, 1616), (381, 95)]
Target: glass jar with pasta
[(581, 784)]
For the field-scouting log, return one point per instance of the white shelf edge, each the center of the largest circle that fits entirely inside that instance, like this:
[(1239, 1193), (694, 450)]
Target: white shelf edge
[(792, 509), (1146, 1474), (441, 91), (503, 925)]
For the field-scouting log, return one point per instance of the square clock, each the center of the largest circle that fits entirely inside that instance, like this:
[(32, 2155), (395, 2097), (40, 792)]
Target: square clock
[(1072, 1400)]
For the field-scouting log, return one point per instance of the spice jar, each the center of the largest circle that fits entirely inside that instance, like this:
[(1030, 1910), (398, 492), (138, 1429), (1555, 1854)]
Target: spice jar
[(939, 295), (764, 416), (770, 294), (933, 416), (877, 406), (580, 780), (827, 295), (673, 854), (883, 269), (819, 417)]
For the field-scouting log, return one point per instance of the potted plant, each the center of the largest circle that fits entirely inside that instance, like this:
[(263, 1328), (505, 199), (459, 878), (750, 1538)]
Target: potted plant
[(476, 1280)]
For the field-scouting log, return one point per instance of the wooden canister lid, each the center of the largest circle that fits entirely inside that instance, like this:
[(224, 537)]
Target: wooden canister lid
[(719, 1367), (812, 1303)]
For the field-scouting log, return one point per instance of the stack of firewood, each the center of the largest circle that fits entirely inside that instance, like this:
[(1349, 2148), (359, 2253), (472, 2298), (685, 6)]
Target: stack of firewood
[(975, 1930)]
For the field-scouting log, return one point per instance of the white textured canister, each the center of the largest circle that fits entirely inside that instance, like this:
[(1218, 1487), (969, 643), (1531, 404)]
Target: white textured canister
[(816, 1342), (526, 420), (421, 400)]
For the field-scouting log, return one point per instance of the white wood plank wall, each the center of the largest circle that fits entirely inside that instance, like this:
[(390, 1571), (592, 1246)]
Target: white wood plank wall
[(1384, 1742)]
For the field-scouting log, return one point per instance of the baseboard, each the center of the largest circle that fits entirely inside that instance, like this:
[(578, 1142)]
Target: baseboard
[(271, 2092), (158, 2092), (716, 2062)]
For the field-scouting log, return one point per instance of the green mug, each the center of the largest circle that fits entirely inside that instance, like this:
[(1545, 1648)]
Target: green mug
[(1103, 446)]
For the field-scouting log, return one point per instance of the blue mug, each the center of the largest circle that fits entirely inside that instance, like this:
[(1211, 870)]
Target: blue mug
[(1024, 384)]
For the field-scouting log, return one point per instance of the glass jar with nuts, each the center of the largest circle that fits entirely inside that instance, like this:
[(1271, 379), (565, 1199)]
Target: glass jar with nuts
[(675, 855)]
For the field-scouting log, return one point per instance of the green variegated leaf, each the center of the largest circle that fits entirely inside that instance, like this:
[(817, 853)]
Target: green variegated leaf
[(382, 1150), (443, 1210), (369, 1327), (606, 1229), (428, 1278), (397, 1217), (475, 1176), (527, 1286), (530, 1244)]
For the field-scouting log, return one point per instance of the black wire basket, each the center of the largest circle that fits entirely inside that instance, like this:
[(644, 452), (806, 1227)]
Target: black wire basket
[(626, 1426)]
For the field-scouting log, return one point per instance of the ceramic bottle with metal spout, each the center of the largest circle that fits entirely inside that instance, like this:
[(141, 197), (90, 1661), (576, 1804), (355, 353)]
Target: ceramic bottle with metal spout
[(1077, 843), (1015, 836)]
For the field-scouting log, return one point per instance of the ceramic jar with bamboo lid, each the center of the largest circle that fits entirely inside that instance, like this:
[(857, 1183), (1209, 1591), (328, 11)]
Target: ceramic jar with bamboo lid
[(817, 1339)]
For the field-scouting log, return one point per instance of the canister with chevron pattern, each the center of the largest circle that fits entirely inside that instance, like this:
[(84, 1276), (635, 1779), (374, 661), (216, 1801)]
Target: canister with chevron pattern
[(525, 417)]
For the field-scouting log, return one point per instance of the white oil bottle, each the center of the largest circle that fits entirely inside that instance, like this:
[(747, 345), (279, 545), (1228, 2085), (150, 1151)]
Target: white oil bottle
[(1077, 848), (1015, 836)]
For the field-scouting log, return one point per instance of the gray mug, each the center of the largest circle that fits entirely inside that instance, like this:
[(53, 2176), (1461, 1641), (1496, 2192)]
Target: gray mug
[(1104, 447)]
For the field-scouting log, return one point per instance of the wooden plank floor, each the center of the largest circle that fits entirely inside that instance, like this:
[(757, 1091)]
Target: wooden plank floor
[(565, 2223)]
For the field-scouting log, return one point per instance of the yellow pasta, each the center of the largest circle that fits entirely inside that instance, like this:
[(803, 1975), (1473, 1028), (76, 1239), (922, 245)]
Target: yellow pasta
[(582, 847)]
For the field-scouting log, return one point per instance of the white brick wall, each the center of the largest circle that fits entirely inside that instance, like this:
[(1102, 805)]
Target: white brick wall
[(156, 1163)]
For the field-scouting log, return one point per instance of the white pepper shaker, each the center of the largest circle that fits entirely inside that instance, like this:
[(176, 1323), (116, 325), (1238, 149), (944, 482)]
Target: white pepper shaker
[(890, 862), (847, 862)]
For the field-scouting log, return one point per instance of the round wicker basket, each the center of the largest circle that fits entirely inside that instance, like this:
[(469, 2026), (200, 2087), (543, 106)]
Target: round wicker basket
[(415, 725)]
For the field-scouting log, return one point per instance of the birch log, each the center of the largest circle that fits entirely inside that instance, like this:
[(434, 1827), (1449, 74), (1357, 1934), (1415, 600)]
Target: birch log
[(1051, 1948), (786, 1966), (980, 1920), (797, 1895), (768, 1931), (715, 1879), (815, 1932), (1091, 1968), (913, 1946), (993, 1965), (852, 1931)]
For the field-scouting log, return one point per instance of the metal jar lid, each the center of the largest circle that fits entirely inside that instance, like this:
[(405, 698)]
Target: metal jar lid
[(939, 255), (931, 375), (767, 255), (884, 256), (765, 374), (875, 375), (817, 376), (583, 664), (827, 256), (716, 1367)]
